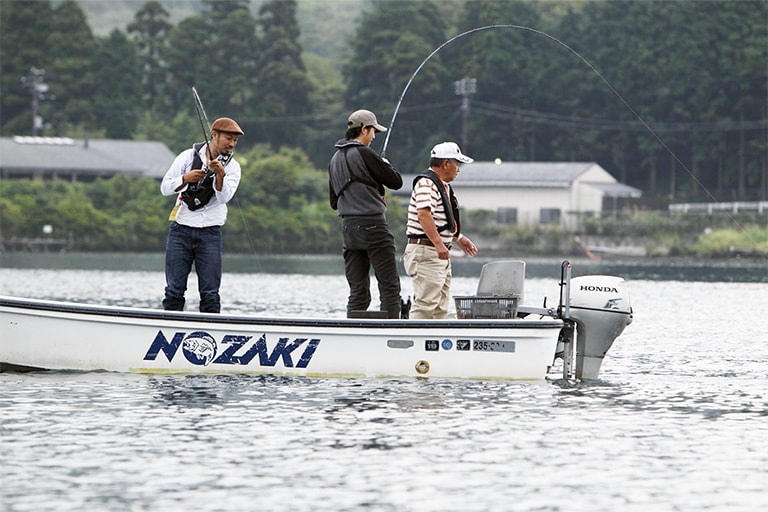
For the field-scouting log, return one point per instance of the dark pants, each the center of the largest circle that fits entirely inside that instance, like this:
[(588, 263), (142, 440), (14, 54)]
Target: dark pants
[(369, 243), (201, 246)]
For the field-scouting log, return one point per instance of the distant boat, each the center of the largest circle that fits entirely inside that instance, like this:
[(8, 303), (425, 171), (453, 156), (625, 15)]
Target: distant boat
[(634, 252), (595, 252)]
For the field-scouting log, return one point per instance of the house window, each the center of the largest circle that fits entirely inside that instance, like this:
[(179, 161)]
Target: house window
[(506, 215), (549, 216)]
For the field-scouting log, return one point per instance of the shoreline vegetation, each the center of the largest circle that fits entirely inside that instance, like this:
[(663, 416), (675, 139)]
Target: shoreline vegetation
[(126, 215), (746, 270), (714, 138), (643, 235)]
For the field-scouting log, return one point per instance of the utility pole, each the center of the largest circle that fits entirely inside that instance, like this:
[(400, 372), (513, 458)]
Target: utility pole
[(36, 82), (464, 88)]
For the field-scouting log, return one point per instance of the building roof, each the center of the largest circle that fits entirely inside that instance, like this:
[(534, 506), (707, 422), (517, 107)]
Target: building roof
[(514, 175), (31, 156), (615, 189), (522, 174)]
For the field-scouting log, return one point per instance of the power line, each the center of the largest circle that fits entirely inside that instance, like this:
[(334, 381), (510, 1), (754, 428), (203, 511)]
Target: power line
[(533, 116), (333, 117)]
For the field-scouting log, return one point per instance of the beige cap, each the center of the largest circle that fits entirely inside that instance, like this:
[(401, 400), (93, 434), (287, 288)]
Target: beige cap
[(360, 118)]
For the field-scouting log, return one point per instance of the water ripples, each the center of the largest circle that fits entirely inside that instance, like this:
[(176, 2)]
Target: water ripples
[(676, 423)]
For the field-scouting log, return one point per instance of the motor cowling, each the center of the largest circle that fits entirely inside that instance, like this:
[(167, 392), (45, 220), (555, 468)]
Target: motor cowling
[(600, 307)]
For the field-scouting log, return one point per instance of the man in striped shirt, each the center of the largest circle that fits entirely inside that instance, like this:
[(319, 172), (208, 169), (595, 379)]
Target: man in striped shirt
[(433, 226)]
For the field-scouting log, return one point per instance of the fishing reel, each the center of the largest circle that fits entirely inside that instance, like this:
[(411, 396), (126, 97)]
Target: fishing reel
[(209, 174), (224, 159)]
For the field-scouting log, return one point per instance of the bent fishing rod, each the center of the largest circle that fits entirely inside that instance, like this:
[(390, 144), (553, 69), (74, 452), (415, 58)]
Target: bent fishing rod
[(581, 58), (514, 27), (556, 40)]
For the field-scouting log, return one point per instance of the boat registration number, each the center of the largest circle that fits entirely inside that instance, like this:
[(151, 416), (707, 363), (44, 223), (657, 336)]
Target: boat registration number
[(493, 346)]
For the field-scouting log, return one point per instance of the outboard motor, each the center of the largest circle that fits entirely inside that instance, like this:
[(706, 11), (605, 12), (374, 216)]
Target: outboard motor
[(601, 309)]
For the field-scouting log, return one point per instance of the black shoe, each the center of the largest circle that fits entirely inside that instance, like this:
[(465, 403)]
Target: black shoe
[(405, 308)]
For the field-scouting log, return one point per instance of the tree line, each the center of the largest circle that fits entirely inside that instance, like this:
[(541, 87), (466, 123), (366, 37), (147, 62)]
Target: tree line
[(670, 97), (280, 207)]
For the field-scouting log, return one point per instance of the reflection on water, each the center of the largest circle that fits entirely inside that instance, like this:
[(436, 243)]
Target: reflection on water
[(201, 442), (678, 420), (195, 391), (702, 399)]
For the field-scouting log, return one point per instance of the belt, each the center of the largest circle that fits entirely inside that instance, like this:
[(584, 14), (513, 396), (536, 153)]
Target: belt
[(425, 241)]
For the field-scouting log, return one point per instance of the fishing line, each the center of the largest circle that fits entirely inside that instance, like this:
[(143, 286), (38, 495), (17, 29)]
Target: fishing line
[(248, 233), (594, 70)]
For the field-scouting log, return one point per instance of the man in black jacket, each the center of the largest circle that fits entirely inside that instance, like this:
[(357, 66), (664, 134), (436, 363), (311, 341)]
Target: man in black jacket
[(357, 177)]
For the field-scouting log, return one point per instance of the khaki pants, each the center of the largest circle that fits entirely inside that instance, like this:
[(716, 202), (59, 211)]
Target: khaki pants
[(431, 281)]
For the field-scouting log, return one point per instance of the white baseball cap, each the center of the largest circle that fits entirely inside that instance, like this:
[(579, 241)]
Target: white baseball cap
[(450, 150)]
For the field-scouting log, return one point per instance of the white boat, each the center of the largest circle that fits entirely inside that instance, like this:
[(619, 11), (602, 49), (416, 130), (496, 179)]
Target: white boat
[(495, 337)]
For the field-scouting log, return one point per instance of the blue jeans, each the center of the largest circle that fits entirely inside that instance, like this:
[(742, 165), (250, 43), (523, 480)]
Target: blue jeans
[(185, 246)]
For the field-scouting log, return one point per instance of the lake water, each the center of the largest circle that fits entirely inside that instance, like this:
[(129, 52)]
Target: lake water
[(678, 421)]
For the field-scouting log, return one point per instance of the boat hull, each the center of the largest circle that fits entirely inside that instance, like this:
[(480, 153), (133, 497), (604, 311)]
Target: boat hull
[(66, 336)]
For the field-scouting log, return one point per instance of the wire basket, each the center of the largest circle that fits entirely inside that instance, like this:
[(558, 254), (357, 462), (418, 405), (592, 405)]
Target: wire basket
[(486, 306)]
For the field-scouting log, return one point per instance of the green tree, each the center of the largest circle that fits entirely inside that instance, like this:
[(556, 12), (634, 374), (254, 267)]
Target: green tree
[(24, 208), (277, 180), (280, 205), (668, 62), (392, 40), (186, 59), (149, 30), (136, 211), (508, 64), (25, 28), (117, 101), (86, 225), (282, 85), (230, 60), (738, 53), (215, 52), (73, 79)]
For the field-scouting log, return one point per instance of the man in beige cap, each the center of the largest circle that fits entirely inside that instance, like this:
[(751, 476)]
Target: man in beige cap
[(433, 226), (357, 177), (204, 178)]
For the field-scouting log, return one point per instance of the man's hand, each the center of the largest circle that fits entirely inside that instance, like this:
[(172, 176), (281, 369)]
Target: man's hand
[(192, 176), (217, 167), (469, 248)]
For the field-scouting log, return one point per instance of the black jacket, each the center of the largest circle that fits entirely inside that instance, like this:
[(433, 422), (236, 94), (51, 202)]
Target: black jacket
[(357, 176)]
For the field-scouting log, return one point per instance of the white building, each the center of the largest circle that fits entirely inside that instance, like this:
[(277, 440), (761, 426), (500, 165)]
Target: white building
[(533, 193)]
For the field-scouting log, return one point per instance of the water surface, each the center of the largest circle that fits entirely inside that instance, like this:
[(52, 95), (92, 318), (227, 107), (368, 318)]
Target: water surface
[(677, 422)]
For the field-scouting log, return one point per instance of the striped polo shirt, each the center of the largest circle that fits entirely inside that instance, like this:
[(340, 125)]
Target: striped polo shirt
[(426, 195)]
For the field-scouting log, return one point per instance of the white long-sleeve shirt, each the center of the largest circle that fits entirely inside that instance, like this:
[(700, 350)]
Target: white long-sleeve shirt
[(215, 212)]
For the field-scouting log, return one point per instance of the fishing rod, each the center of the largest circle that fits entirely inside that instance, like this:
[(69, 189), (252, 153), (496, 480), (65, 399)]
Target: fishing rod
[(207, 135), (588, 64), (515, 27)]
